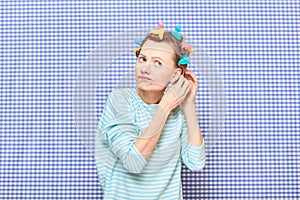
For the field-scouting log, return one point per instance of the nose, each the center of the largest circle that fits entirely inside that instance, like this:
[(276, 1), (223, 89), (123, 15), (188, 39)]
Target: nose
[(146, 68)]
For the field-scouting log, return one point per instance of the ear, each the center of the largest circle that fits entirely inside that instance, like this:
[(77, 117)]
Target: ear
[(179, 69), (182, 67)]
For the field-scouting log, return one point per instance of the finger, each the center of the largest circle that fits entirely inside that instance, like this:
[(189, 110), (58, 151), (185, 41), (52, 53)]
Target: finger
[(192, 84), (178, 82), (185, 88), (177, 87), (187, 76), (193, 79), (175, 77), (193, 76)]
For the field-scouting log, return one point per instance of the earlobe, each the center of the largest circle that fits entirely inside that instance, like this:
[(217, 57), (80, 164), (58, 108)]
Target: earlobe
[(178, 70)]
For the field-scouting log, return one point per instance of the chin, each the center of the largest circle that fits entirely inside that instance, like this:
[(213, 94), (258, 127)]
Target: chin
[(152, 88)]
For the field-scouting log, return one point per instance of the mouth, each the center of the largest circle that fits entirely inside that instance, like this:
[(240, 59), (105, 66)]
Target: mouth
[(144, 78)]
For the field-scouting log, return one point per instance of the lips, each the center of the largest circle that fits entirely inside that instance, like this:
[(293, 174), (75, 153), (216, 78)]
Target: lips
[(144, 78)]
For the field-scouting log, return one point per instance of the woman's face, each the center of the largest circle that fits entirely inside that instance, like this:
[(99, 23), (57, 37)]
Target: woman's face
[(155, 66)]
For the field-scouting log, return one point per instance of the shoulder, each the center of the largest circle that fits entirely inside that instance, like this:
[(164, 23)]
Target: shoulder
[(118, 97), (127, 92), (121, 94)]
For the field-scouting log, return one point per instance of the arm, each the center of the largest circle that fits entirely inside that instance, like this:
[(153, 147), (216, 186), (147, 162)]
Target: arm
[(194, 133), (149, 139), (188, 108), (118, 130), (121, 133), (193, 146), (193, 154)]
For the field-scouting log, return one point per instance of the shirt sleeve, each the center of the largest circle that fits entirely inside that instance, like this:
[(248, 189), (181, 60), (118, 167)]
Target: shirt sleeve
[(119, 131), (192, 156)]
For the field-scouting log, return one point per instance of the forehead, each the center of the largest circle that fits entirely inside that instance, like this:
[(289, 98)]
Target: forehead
[(159, 47)]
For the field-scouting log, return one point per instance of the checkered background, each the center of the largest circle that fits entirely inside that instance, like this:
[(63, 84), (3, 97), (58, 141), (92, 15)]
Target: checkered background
[(254, 45)]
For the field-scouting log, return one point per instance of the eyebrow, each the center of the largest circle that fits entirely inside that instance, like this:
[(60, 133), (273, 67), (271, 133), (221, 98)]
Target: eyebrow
[(156, 57), (159, 58)]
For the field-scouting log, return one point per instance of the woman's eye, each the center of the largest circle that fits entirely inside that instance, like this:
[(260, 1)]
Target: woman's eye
[(142, 59), (157, 63)]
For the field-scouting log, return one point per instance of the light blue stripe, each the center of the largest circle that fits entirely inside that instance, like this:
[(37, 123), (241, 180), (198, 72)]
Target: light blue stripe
[(161, 174)]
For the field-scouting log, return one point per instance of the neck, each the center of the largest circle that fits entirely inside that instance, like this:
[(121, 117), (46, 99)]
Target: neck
[(150, 97)]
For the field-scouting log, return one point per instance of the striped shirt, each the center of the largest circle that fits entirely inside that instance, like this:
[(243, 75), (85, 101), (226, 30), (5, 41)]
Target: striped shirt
[(122, 170)]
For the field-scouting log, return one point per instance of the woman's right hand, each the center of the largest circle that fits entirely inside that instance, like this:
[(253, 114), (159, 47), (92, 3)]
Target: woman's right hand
[(176, 93)]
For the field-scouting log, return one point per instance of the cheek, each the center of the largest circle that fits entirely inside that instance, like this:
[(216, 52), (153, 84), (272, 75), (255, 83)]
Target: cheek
[(169, 75), (136, 67), (164, 75)]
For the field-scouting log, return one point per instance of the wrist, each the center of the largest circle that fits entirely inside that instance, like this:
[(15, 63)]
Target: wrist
[(164, 107), (188, 107)]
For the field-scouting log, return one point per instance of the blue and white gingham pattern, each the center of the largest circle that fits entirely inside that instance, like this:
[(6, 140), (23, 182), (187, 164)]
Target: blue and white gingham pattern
[(254, 44)]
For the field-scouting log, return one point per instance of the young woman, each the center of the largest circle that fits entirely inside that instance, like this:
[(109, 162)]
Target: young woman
[(146, 133)]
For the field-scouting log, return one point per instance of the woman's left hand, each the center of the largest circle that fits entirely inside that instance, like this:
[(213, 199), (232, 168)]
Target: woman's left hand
[(193, 83)]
